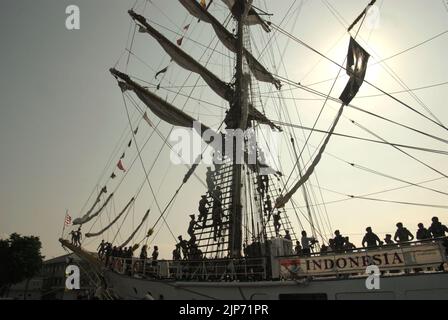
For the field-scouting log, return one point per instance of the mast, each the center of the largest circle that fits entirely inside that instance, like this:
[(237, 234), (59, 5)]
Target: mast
[(235, 232)]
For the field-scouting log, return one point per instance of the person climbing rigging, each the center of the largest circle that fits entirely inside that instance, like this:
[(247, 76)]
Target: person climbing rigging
[(203, 210), (217, 213)]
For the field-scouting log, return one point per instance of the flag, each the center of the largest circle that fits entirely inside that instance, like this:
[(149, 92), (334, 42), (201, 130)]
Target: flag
[(136, 131), (179, 41), (356, 68), (204, 4), (121, 166), (164, 70), (122, 156), (145, 117), (187, 27), (68, 219), (113, 175), (130, 143), (104, 190)]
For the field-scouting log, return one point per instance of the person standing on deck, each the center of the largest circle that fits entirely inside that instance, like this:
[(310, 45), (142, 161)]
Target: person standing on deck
[(423, 233), (370, 239), (339, 241), (388, 239), (437, 229), (307, 243), (402, 234)]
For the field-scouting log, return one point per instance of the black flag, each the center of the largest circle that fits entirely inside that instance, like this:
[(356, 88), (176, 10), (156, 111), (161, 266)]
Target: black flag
[(122, 156), (136, 131), (130, 143), (357, 60), (113, 175), (161, 71)]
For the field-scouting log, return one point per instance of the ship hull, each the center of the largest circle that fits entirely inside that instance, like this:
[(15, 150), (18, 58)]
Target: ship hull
[(421, 286)]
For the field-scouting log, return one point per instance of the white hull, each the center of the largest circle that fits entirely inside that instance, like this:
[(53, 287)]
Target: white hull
[(399, 287)]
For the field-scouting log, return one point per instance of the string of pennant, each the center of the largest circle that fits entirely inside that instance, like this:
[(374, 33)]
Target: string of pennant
[(179, 43), (120, 164)]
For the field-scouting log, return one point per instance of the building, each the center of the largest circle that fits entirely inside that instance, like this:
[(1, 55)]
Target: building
[(50, 283)]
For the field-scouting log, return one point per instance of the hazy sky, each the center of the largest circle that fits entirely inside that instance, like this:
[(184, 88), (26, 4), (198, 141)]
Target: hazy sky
[(62, 114)]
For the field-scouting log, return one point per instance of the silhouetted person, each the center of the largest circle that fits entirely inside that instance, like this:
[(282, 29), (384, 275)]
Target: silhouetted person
[(183, 244), (144, 252), (101, 249), (73, 235), (217, 213), (339, 241), (78, 237), (307, 243), (437, 229), (370, 239), (155, 255), (402, 234), (287, 235), (323, 249), (422, 232), (176, 253), (277, 224), (209, 180), (298, 248), (203, 210), (190, 230), (348, 245), (388, 239)]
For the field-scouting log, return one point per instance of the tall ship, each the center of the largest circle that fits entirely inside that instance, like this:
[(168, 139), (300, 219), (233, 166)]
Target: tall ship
[(252, 165)]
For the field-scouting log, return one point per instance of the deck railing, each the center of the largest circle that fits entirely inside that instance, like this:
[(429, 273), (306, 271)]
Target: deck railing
[(202, 270), (403, 257)]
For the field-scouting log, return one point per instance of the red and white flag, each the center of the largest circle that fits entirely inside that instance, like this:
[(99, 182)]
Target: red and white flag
[(68, 219), (121, 166)]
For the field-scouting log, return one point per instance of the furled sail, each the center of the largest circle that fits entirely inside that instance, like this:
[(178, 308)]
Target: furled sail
[(97, 200), (95, 234), (164, 110), (252, 18), (184, 60), (256, 115), (87, 218), (357, 60), (283, 200), (136, 230), (197, 11), (229, 41), (259, 71)]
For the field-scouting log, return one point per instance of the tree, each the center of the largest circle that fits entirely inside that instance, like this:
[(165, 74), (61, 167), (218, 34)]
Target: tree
[(20, 258)]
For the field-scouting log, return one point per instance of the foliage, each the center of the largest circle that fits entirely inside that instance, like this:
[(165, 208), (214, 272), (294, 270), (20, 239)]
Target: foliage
[(20, 259)]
